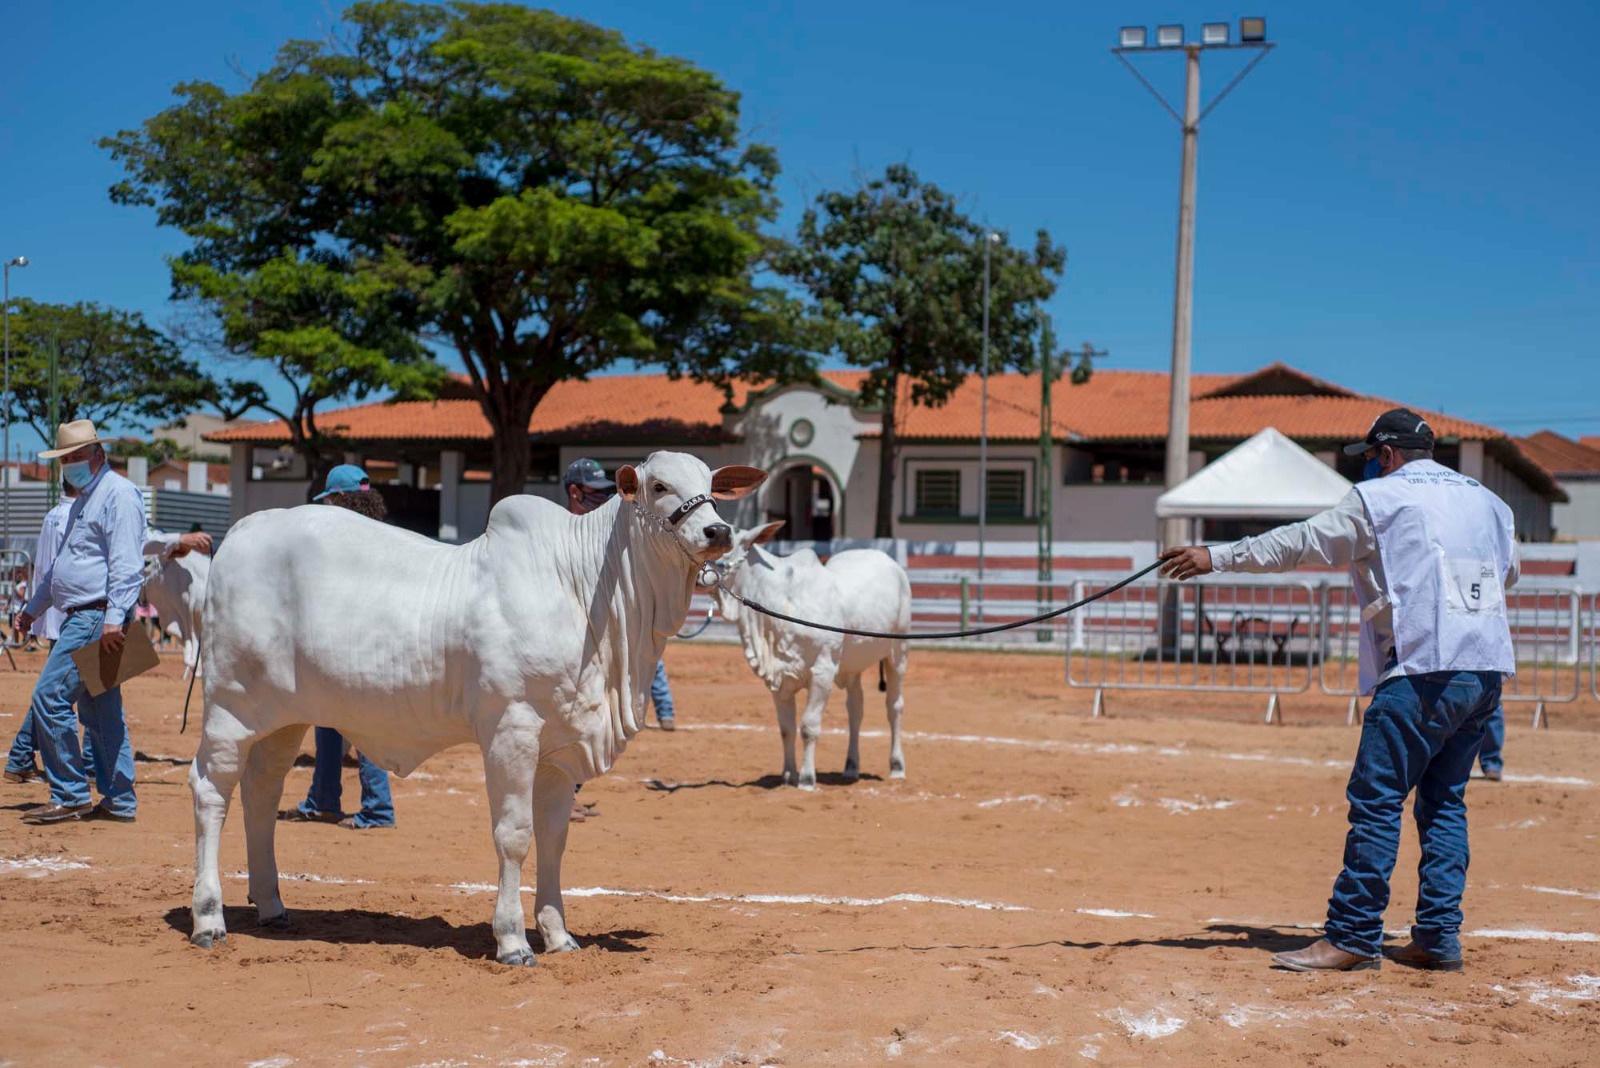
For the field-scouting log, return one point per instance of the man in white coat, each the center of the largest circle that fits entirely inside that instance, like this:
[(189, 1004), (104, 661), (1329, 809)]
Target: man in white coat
[(1431, 553)]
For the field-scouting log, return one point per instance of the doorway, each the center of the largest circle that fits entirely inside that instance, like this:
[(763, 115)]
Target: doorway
[(806, 497)]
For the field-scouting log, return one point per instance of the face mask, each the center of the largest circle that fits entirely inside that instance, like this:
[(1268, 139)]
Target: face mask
[(77, 474)]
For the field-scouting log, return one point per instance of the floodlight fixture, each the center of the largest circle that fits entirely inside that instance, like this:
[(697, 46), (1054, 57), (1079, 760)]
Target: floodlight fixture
[(1169, 36), (1252, 30), (1132, 37), (1214, 33)]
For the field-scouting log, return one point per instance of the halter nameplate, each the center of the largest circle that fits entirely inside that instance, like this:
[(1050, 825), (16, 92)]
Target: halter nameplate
[(686, 507)]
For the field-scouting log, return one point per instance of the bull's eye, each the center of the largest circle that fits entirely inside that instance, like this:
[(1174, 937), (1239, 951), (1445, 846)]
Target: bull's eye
[(660, 487)]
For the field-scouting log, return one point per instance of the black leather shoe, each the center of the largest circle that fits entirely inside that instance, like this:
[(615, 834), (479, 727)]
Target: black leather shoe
[(1414, 956), (102, 813)]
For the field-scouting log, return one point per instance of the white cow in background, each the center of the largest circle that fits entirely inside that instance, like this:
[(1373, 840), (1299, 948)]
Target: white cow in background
[(537, 642), (861, 588), (175, 586)]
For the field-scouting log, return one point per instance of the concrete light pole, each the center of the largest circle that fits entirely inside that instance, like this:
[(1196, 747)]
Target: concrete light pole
[(1213, 35), (5, 539), (989, 239)]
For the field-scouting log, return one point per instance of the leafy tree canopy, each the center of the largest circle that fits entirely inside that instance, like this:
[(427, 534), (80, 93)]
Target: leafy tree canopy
[(532, 190), (112, 367), (896, 270)]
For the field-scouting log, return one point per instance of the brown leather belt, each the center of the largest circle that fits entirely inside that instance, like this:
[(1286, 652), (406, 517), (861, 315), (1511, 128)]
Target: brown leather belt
[(92, 606)]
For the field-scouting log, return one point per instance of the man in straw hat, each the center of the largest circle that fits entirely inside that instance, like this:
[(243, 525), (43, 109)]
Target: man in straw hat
[(94, 580)]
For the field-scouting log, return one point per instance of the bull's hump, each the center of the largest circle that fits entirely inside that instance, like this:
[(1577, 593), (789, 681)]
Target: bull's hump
[(525, 514)]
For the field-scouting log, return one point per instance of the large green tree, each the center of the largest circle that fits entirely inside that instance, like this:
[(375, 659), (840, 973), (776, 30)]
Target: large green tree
[(532, 191), (897, 271), (112, 367), (327, 331)]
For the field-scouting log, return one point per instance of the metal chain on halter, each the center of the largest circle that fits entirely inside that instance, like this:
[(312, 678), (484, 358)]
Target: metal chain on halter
[(670, 528)]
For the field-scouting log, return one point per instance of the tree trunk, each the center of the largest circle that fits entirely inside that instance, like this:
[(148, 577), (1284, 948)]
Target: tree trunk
[(317, 468), (509, 409), (888, 445)]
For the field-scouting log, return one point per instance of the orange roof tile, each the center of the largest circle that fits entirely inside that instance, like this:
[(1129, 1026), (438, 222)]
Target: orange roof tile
[(1132, 406), (609, 406), (1561, 455)]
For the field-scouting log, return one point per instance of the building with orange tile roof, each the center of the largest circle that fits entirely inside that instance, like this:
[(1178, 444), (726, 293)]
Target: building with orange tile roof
[(1576, 465), (821, 444)]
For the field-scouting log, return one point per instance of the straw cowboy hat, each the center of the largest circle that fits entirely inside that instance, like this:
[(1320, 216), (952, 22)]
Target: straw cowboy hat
[(73, 435)]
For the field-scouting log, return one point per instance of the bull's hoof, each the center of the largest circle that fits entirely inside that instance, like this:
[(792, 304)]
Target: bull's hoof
[(207, 939), (565, 944), (852, 772), (280, 922), (518, 958), (807, 782), (897, 769), (791, 778)]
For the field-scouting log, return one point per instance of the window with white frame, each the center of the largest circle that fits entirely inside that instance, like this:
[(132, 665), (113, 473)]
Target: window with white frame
[(938, 492), (1007, 493)]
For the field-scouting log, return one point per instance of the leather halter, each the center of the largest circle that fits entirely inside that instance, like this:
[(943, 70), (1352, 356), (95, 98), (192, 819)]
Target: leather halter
[(686, 507)]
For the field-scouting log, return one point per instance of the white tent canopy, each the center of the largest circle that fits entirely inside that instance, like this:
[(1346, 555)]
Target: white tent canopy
[(1266, 477)]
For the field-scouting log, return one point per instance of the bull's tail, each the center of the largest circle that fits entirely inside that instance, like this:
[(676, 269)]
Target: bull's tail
[(883, 683)]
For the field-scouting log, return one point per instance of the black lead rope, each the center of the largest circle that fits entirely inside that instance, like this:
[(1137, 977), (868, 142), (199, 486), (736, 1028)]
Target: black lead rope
[(198, 641), (1135, 577)]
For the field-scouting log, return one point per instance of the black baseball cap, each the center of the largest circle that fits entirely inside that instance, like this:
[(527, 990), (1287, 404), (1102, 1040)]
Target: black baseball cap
[(1399, 428), (586, 473)]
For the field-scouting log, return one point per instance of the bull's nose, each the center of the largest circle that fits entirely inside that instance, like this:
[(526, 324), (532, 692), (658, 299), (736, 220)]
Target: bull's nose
[(719, 535)]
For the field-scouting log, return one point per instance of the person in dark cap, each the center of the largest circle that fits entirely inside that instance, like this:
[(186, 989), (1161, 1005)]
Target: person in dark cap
[(1431, 553), (587, 488)]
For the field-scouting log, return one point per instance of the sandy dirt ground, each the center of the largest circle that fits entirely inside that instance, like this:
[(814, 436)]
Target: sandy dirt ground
[(1043, 888)]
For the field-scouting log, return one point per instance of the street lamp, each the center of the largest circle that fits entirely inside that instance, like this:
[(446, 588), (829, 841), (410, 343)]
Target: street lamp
[(989, 240), (5, 540), (1213, 35)]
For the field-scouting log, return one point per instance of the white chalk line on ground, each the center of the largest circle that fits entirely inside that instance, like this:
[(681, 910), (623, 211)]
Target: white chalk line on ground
[(307, 877), (714, 897), (765, 899), (39, 867), (1114, 749), (1587, 895)]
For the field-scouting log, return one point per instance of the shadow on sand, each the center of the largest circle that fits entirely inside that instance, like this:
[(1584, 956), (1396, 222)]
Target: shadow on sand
[(1223, 935), (344, 927)]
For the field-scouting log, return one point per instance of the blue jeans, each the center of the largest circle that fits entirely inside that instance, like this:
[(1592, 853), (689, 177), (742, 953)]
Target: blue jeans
[(377, 807), (23, 748), (55, 726), (1421, 732), (1494, 740), (660, 693)]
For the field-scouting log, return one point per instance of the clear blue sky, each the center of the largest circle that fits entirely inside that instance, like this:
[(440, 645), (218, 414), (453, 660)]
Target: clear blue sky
[(1402, 198)]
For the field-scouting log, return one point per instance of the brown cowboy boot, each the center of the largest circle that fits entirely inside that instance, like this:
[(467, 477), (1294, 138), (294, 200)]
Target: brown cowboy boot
[(1323, 956)]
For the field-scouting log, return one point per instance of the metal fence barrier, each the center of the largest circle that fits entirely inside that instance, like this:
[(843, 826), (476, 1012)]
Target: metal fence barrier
[(1210, 637), (1547, 634), (1594, 645)]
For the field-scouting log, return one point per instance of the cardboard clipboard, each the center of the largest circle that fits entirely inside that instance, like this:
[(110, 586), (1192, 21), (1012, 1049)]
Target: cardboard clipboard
[(102, 671)]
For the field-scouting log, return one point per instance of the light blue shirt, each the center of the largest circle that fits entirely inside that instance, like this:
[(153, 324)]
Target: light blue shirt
[(101, 556), (44, 554)]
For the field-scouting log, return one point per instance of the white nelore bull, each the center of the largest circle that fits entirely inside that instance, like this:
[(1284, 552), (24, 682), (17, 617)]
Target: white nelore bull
[(537, 642), (861, 588), (175, 586)]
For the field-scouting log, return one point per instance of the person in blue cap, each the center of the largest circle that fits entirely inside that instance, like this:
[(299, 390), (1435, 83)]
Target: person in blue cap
[(347, 487)]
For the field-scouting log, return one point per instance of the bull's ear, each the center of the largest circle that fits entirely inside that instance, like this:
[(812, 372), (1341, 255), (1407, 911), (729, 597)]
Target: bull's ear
[(627, 482), (768, 532), (734, 481)]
